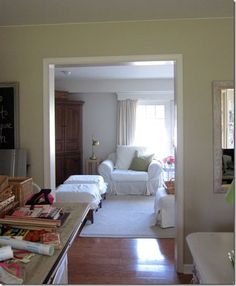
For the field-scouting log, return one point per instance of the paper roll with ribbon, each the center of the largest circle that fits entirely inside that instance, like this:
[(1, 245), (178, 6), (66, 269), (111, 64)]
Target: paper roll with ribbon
[(27, 245), (6, 253)]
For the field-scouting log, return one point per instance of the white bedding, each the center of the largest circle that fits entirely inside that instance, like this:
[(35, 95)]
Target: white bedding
[(164, 208), (88, 179), (82, 193)]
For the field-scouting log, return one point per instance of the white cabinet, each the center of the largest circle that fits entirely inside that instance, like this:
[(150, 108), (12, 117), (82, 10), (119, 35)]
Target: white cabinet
[(210, 256), (61, 276)]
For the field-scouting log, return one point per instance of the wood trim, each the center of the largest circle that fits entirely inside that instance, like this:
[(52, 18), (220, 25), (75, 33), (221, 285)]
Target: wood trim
[(49, 153), (217, 86), (188, 268), (61, 95), (179, 168)]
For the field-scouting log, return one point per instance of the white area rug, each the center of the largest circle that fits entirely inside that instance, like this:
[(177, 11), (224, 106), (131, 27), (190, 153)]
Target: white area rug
[(126, 216)]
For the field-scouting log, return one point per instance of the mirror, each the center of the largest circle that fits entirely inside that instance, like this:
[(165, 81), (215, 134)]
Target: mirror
[(223, 130)]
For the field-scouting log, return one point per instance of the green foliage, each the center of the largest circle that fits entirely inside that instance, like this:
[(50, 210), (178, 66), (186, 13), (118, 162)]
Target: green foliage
[(230, 194)]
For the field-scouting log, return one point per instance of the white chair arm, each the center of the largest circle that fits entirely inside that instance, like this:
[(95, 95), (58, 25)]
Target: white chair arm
[(154, 177), (105, 169), (154, 170)]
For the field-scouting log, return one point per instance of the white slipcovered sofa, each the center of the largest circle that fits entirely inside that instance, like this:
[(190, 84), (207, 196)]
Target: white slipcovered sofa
[(123, 181)]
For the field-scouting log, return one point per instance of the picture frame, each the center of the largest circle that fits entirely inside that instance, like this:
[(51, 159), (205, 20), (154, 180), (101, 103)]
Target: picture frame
[(9, 115), (217, 87)]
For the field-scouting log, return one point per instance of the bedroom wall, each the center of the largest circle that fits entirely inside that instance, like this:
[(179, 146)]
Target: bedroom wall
[(99, 119), (99, 110), (207, 49)]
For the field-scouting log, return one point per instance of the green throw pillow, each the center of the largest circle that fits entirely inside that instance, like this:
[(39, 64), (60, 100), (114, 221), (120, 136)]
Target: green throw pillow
[(140, 163)]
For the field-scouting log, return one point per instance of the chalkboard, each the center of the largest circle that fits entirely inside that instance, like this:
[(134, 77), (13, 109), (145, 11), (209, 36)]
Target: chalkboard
[(8, 115)]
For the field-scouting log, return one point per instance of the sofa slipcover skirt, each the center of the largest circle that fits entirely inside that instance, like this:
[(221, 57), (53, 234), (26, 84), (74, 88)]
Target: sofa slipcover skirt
[(128, 182)]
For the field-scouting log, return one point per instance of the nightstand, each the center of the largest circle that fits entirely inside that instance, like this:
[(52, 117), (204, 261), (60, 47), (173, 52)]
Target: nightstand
[(91, 166)]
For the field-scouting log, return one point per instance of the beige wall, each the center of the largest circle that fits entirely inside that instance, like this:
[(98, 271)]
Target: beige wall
[(207, 49)]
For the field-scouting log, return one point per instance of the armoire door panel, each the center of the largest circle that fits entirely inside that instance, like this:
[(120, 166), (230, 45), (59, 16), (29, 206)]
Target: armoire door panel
[(68, 117), (73, 117), (60, 146), (59, 122), (72, 146), (72, 162), (60, 174), (72, 165)]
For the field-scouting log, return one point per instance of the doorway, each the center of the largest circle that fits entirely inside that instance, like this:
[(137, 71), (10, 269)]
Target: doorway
[(49, 127)]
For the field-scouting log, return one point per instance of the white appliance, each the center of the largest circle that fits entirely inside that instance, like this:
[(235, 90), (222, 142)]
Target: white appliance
[(13, 162)]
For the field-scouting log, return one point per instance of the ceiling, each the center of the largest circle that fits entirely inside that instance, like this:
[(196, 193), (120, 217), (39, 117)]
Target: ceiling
[(137, 70), (35, 12)]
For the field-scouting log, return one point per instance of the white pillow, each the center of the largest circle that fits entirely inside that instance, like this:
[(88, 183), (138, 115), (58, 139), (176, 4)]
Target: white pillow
[(125, 155)]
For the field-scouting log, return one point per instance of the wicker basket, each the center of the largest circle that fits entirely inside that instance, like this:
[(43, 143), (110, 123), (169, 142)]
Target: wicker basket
[(3, 182), (170, 186), (22, 187), (6, 193)]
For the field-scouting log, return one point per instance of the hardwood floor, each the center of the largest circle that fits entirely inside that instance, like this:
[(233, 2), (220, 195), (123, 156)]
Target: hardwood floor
[(123, 261)]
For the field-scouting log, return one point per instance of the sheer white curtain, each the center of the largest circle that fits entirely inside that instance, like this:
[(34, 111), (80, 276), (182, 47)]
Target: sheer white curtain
[(126, 121)]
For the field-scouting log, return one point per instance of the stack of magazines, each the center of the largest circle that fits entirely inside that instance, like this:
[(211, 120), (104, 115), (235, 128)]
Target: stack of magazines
[(35, 217)]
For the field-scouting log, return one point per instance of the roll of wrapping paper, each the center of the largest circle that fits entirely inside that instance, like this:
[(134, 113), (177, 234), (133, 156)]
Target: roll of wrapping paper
[(6, 253), (27, 245)]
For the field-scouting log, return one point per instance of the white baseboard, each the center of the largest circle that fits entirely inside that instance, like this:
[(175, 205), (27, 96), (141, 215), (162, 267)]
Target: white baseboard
[(188, 268)]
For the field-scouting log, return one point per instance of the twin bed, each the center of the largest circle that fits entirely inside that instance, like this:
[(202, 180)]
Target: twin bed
[(84, 189)]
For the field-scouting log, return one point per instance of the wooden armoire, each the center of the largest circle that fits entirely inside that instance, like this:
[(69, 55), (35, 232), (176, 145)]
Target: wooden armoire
[(69, 136)]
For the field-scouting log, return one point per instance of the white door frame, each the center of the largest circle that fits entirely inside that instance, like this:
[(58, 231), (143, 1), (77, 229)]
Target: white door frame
[(49, 127)]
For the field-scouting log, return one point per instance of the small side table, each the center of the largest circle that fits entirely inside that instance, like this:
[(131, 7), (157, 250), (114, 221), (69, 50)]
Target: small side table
[(169, 172), (91, 166)]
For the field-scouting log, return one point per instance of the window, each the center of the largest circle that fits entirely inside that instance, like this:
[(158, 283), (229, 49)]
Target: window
[(154, 127)]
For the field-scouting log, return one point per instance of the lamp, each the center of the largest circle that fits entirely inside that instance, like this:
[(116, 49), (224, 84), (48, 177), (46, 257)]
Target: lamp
[(95, 142)]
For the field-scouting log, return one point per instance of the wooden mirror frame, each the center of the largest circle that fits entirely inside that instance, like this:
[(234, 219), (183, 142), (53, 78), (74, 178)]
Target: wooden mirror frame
[(217, 87)]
